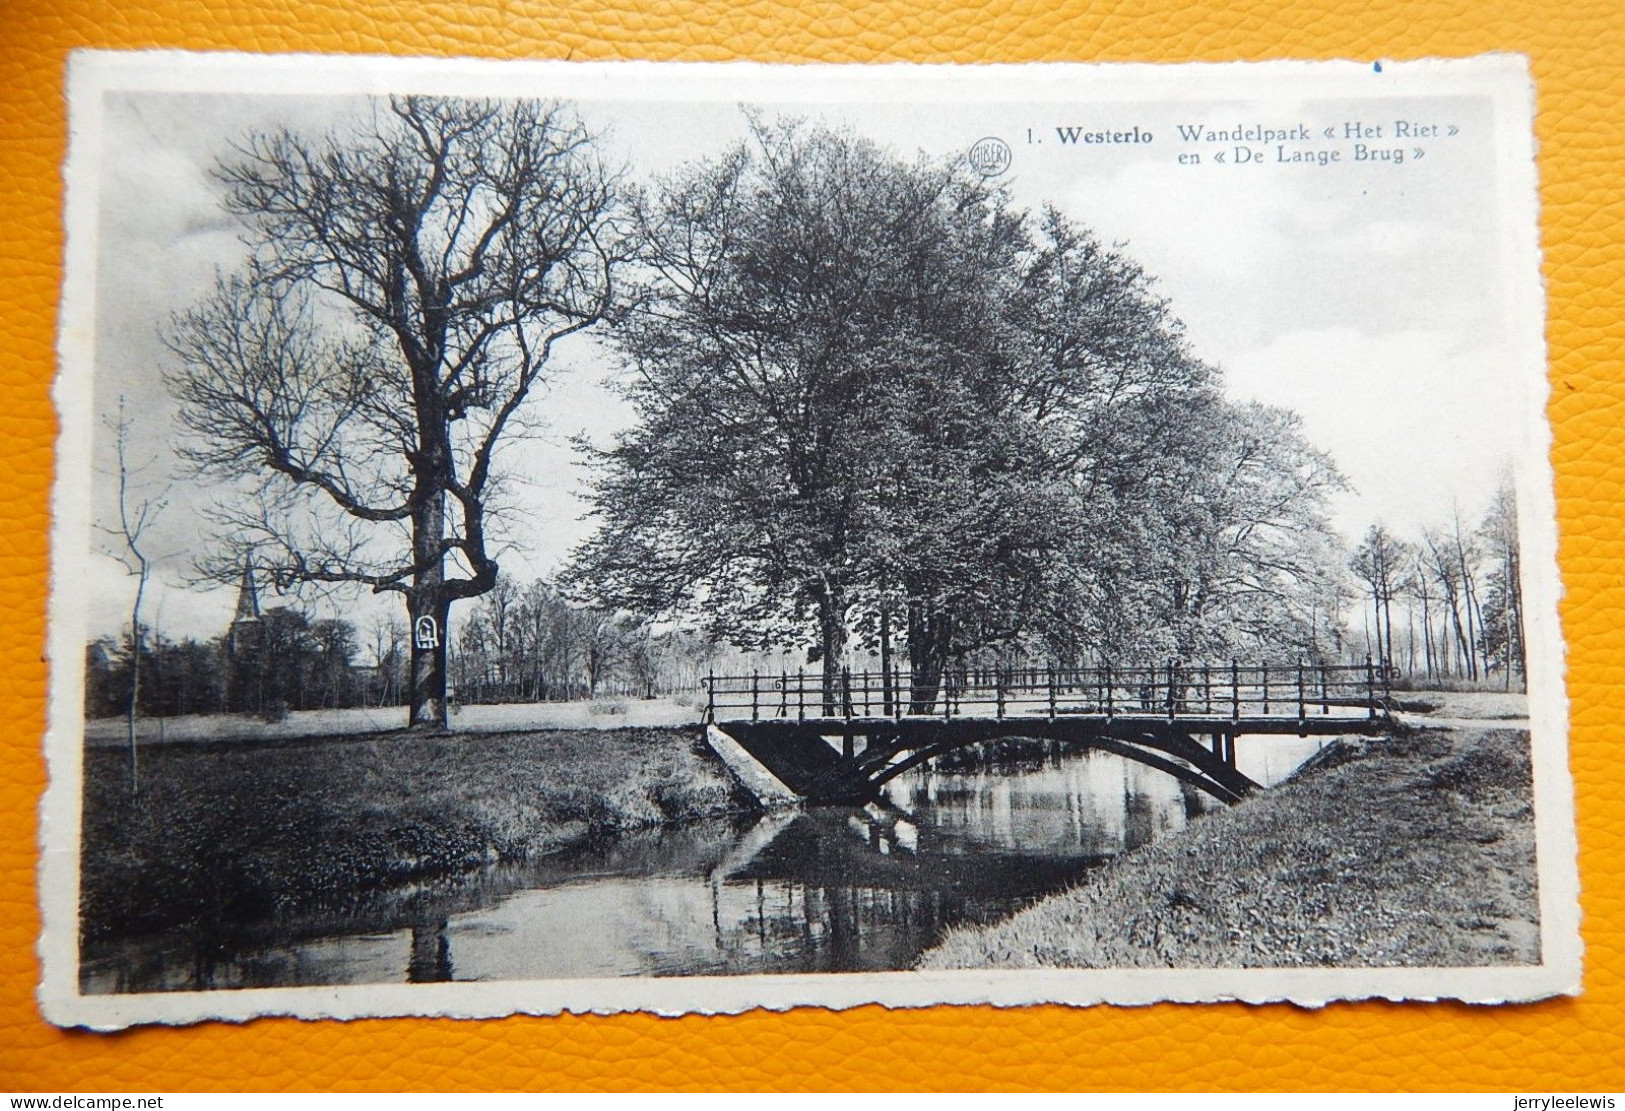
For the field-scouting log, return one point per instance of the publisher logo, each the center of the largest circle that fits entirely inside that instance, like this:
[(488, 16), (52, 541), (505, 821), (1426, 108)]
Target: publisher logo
[(990, 157)]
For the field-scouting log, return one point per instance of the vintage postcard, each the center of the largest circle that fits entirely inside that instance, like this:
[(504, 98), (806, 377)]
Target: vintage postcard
[(544, 537)]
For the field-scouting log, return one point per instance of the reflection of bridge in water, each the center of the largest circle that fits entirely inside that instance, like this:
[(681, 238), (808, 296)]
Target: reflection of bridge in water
[(832, 889), (842, 741)]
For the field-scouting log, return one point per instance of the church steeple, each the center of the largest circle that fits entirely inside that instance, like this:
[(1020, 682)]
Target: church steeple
[(244, 668), (243, 635), (248, 598)]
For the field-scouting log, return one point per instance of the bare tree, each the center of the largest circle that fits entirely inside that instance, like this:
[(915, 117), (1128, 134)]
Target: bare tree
[(1466, 557), (1448, 572), (388, 637), (409, 279), (136, 514), (1379, 563), (1421, 589)]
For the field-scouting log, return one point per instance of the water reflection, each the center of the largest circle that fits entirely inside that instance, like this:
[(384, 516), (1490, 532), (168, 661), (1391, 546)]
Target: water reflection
[(430, 962), (824, 890)]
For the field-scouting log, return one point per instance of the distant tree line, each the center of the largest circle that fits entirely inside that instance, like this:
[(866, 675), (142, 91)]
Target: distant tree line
[(520, 644), (1457, 591), (531, 644), (293, 662)]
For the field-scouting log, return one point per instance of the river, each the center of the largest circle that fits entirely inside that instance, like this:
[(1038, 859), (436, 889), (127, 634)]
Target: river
[(820, 890)]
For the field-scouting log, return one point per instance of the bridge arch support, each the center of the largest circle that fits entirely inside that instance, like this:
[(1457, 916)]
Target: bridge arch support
[(821, 765), (1127, 750)]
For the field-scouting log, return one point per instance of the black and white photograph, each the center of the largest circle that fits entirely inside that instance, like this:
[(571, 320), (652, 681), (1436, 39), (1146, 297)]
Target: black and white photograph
[(554, 537)]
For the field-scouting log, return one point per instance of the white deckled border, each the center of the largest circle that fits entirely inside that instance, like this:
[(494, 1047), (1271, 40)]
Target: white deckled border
[(1503, 79)]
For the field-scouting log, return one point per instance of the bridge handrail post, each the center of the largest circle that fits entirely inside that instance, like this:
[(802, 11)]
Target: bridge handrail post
[(1106, 678), (784, 695), (1301, 712), (1172, 666), (846, 693), (1264, 680), (1325, 699), (711, 696), (1235, 689), (755, 694), (998, 691), (1052, 692), (1207, 689), (801, 694)]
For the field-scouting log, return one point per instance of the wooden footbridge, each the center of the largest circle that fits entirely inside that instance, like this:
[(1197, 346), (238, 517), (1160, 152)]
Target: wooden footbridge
[(842, 741)]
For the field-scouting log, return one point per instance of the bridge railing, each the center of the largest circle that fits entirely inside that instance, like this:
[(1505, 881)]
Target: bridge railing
[(1176, 689)]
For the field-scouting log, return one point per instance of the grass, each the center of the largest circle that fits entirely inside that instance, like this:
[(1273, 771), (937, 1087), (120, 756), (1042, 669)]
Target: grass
[(228, 831), (512, 717), (1483, 705), (1415, 850)]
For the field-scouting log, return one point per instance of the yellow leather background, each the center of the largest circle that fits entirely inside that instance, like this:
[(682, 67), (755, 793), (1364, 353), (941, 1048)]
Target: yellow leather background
[(1578, 52)]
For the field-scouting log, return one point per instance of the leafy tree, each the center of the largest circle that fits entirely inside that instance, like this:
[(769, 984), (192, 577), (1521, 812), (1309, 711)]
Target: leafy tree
[(776, 283), (1048, 388), (336, 647), (874, 399), (1502, 628), (410, 276), (1248, 557)]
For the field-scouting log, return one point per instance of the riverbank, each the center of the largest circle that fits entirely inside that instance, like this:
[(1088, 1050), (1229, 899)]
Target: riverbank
[(232, 831), (1416, 850)]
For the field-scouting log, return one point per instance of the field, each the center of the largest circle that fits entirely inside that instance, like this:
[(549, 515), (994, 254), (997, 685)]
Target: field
[(604, 713)]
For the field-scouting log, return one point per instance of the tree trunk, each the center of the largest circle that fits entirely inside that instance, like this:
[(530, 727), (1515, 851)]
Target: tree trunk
[(135, 671), (427, 606), (930, 636), (1515, 597), (832, 643), (1376, 614), (1388, 627), (1427, 633), (1456, 628)]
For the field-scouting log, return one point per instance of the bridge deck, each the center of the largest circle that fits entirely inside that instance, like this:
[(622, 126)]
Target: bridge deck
[(1264, 693), (1070, 724), (841, 739)]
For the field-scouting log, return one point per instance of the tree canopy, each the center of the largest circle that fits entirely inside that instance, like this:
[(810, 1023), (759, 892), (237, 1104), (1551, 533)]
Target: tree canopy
[(876, 399)]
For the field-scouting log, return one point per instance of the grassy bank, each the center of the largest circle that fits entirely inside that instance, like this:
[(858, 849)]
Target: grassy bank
[(232, 831), (1415, 850)]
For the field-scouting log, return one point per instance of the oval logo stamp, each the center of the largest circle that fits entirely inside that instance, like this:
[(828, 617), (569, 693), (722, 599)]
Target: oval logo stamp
[(990, 156)]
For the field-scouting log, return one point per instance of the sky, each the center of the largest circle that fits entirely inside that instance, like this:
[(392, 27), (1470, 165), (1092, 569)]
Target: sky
[(1371, 298)]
